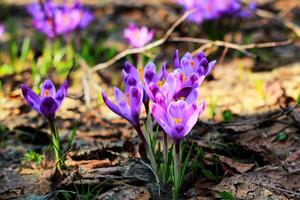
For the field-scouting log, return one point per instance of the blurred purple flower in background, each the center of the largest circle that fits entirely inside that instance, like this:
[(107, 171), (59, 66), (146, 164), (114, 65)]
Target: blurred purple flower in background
[(214, 9), (49, 100), (2, 29), (138, 37), (54, 20)]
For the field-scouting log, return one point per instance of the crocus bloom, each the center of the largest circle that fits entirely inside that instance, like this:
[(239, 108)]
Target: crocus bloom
[(128, 105), (173, 90), (138, 37), (214, 9), (188, 74), (1, 30), (54, 20), (189, 64), (49, 100), (178, 119)]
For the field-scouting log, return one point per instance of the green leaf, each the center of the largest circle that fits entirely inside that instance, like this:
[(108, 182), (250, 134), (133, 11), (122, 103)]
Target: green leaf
[(226, 195), (72, 137), (32, 156), (208, 174), (227, 115), (298, 99), (281, 137)]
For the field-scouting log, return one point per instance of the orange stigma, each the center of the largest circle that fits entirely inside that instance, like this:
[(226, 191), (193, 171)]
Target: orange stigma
[(46, 92), (193, 64), (183, 77), (177, 120), (140, 70)]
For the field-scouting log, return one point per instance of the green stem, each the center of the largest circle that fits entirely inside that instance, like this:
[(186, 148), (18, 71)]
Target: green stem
[(177, 163), (148, 150), (140, 60), (56, 145), (165, 155)]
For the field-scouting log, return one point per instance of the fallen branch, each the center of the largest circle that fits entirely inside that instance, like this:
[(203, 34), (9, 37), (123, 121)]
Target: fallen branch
[(142, 49), (242, 48), (266, 14)]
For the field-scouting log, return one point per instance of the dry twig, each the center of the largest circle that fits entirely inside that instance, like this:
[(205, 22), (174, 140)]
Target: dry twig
[(266, 14), (242, 48), (142, 49)]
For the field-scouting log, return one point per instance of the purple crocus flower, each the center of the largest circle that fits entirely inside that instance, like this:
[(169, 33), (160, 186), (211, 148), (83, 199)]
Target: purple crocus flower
[(214, 9), (189, 64), (1, 30), (54, 20), (86, 17), (180, 84), (178, 119), (49, 100), (128, 104), (138, 37), (173, 90)]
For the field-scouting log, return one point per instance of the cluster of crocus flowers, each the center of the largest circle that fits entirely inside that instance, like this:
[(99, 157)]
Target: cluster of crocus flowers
[(215, 9), (47, 104), (174, 99), (54, 20), (138, 36)]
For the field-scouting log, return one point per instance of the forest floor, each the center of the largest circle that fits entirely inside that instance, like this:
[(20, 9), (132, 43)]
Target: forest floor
[(247, 142)]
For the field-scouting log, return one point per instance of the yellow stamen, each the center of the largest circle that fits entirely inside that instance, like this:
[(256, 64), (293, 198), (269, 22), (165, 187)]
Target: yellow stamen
[(47, 93), (140, 70), (177, 120), (161, 83)]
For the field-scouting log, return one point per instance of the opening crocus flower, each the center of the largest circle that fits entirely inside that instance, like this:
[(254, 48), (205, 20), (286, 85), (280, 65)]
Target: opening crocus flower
[(128, 104), (138, 37), (178, 119), (49, 100), (193, 64), (54, 20)]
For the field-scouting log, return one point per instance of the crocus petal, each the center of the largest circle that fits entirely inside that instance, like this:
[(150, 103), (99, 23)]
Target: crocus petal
[(149, 73), (31, 97), (178, 133), (160, 116), (192, 114), (61, 93), (48, 89), (113, 107), (123, 102), (175, 109), (163, 73), (210, 67), (193, 96), (176, 59), (136, 98), (48, 107), (186, 65), (183, 93), (129, 82), (129, 69)]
